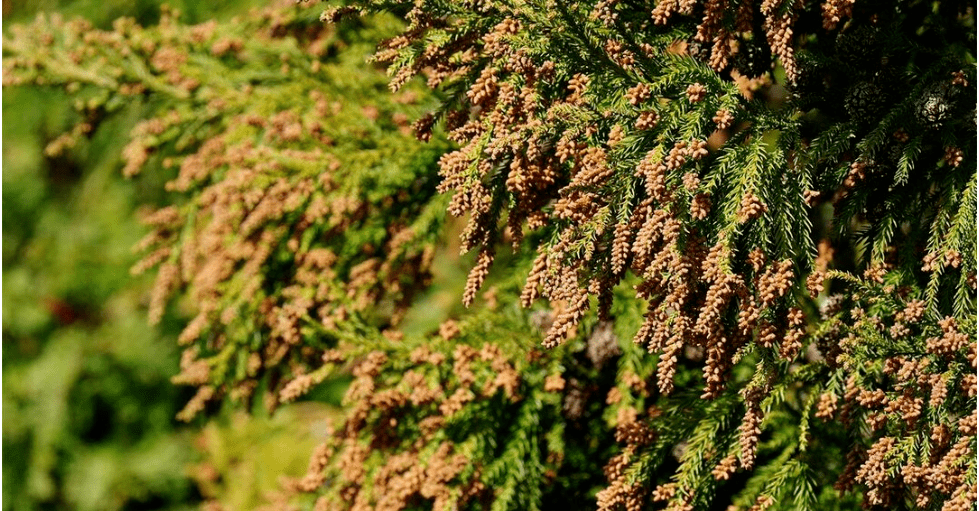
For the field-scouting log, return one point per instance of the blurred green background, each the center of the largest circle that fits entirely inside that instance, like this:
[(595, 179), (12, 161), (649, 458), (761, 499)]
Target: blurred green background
[(88, 408)]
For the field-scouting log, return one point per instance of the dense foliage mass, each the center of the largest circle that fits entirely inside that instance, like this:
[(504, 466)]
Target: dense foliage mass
[(775, 201)]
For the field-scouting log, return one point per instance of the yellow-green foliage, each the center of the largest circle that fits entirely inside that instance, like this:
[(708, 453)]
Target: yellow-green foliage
[(296, 179)]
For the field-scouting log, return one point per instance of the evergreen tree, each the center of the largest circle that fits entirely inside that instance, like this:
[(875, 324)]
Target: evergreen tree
[(775, 202)]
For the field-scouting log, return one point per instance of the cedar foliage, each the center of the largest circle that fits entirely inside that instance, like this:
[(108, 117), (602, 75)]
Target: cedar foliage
[(774, 201)]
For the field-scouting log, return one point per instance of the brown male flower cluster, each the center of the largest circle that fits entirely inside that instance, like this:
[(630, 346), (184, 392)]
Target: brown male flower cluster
[(750, 429), (619, 493), (835, 11), (724, 119), (953, 156), (751, 207), (696, 92)]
